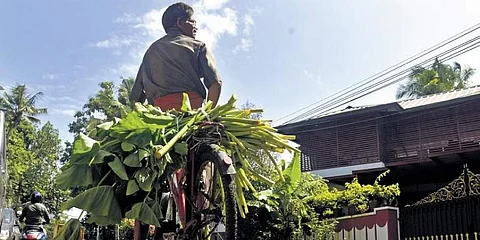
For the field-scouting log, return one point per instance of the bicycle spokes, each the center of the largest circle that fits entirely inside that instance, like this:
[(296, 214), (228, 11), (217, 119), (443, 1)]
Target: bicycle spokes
[(209, 199)]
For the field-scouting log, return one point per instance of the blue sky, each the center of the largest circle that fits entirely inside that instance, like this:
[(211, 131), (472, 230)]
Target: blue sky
[(281, 55)]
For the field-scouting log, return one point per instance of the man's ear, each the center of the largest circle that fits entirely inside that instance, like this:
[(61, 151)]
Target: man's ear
[(179, 23)]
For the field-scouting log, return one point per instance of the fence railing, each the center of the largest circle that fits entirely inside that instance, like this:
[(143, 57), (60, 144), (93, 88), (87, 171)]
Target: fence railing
[(459, 216), (461, 236)]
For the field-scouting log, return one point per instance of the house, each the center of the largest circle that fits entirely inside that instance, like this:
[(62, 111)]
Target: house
[(425, 142)]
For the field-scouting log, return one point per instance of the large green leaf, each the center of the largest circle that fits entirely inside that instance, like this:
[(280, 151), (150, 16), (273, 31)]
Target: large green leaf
[(142, 153), (127, 147), (141, 120), (293, 172), (132, 187), (145, 179), (84, 148), (75, 176), (118, 168), (100, 157), (106, 125), (98, 200), (130, 123), (140, 137), (141, 211), (157, 209), (70, 231), (263, 195), (160, 121), (132, 160), (181, 148)]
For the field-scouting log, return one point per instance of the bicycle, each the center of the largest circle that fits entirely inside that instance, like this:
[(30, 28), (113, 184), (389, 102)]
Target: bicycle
[(203, 191)]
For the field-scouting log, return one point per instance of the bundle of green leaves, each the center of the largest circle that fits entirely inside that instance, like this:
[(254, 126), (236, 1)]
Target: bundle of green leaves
[(124, 163)]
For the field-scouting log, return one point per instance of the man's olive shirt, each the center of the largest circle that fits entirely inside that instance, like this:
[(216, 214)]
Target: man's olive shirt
[(174, 64)]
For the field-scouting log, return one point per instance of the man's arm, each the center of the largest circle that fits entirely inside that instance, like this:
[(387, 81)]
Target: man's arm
[(22, 215), (210, 76), (214, 92)]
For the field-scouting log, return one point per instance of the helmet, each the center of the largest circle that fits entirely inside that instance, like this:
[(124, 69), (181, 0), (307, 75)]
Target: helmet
[(36, 197)]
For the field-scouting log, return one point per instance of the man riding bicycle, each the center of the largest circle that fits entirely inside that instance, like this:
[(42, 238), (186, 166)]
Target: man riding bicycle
[(176, 64)]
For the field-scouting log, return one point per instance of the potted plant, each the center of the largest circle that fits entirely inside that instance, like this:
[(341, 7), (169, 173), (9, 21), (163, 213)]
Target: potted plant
[(383, 195)]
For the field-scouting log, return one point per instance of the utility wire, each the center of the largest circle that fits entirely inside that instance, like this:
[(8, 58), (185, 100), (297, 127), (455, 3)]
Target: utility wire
[(390, 69), (393, 80), (329, 103)]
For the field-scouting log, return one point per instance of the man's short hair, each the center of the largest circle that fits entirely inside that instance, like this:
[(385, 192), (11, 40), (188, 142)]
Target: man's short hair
[(177, 10)]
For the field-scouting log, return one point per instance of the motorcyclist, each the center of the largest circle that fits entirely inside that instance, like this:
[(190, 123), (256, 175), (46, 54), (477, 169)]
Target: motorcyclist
[(35, 214)]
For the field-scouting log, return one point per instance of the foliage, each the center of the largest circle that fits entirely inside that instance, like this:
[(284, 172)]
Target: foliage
[(293, 205), (124, 91), (437, 79), (70, 231), (32, 164), (388, 193), (19, 106), (305, 204), (123, 163), (106, 105)]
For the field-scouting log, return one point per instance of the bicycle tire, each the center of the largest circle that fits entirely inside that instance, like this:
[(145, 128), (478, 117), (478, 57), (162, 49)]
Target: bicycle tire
[(228, 183)]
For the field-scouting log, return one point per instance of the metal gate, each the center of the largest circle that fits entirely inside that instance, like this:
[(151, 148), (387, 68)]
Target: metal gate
[(452, 211)]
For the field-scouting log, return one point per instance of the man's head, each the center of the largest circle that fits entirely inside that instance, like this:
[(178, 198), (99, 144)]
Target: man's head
[(36, 197), (179, 16)]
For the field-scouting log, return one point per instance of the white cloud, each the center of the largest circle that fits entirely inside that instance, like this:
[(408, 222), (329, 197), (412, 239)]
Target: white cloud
[(114, 42), (248, 21), (246, 42), (152, 23), (124, 70), (212, 4), (66, 112), (61, 99), (50, 76), (213, 25), (128, 18), (245, 45)]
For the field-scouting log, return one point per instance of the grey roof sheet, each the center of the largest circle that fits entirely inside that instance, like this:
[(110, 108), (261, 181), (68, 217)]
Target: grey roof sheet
[(414, 102), (440, 97)]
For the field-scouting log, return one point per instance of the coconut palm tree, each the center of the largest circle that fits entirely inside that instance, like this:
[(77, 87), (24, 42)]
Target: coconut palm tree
[(19, 105), (437, 79), (124, 90)]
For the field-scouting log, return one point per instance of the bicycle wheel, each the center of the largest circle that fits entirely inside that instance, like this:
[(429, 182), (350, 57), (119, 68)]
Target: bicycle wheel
[(214, 205)]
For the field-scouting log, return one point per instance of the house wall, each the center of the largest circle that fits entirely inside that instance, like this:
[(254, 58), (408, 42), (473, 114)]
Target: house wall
[(340, 143), (421, 136), (401, 138)]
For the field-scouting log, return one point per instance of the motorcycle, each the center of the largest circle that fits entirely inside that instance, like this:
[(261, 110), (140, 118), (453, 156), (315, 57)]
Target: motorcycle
[(33, 232)]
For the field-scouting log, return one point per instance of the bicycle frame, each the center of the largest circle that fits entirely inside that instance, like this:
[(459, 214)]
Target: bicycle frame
[(177, 180), (176, 188)]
